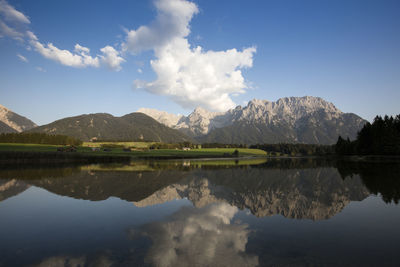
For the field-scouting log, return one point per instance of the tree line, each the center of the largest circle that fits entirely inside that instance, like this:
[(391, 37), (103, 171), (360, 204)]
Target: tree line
[(382, 137), (194, 146), (295, 149), (174, 146), (39, 138), (218, 145)]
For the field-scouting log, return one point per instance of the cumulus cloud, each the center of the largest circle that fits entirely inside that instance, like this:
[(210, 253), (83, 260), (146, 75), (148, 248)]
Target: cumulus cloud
[(200, 237), (11, 14), (190, 76), (111, 58), (22, 58), (80, 58), (173, 17), (193, 77)]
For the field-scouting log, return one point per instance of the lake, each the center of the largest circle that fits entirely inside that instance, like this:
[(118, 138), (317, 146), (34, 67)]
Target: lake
[(264, 212)]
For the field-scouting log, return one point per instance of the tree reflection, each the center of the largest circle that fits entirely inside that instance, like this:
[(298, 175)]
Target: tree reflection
[(380, 177)]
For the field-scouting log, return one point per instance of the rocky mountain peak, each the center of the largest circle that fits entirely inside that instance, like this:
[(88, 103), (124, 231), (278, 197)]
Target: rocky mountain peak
[(163, 117), (257, 102), (290, 119), (287, 109), (306, 104), (12, 122), (3, 108), (201, 113)]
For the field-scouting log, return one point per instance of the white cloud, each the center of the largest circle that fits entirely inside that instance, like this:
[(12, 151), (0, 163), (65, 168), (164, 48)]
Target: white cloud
[(65, 57), (11, 14), (81, 49), (22, 58), (15, 19), (193, 77), (190, 76), (40, 69), (173, 17), (140, 70), (200, 237), (6, 30), (111, 58), (80, 58)]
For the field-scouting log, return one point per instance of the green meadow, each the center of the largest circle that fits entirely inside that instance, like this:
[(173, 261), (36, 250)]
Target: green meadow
[(145, 153), (125, 144)]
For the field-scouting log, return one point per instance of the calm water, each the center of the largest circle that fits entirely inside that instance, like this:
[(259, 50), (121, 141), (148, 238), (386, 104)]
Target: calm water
[(202, 213)]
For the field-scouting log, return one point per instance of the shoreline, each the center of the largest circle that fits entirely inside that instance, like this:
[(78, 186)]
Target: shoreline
[(31, 157), (12, 157)]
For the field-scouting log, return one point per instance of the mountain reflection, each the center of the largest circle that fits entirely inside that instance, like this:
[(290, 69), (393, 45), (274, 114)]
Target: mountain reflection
[(11, 187), (302, 194), (208, 226), (198, 237), (301, 189)]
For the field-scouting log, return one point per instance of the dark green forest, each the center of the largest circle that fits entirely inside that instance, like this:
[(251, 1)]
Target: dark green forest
[(296, 149), (39, 138), (382, 137)]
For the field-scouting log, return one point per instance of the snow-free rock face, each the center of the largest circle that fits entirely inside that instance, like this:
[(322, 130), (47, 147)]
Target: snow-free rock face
[(291, 119), (201, 121), (11, 122), (163, 117), (288, 109)]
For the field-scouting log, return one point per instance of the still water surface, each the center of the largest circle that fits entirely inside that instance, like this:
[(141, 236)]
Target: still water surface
[(202, 213)]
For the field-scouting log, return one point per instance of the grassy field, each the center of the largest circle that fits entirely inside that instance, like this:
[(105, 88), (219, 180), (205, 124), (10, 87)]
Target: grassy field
[(125, 144), (27, 147), (242, 151), (148, 154)]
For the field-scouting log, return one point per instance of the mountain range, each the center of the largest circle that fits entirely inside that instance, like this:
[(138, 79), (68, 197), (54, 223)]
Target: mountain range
[(102, 126), (305, 119), (290, 120)]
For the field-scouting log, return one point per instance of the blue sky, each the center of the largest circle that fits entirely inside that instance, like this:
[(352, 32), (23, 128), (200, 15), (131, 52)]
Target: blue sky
[(345, 51)]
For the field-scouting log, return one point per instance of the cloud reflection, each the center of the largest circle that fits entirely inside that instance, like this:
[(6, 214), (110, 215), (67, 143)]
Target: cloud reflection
[(199, 237)]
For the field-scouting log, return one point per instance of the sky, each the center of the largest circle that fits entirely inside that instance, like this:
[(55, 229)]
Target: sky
[(65, 58)]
